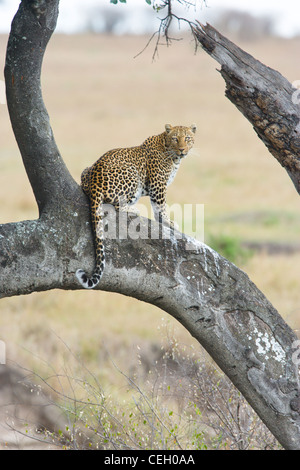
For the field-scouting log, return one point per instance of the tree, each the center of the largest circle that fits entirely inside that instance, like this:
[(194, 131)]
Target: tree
[(211, 297)]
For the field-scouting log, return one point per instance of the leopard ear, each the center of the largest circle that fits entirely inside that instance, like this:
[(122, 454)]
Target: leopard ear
[(168, 128), (193, 128)]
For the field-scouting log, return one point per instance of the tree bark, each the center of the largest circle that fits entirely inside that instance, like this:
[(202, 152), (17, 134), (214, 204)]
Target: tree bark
[(262, 94), (210, 296), (31, 30)]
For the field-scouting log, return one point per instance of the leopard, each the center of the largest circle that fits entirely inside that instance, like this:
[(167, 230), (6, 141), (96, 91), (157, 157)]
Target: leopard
[(122, 175)]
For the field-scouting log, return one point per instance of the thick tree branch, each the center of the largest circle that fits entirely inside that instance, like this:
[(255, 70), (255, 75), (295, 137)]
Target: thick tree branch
[(211, 297), (31, 30), (262, 94)]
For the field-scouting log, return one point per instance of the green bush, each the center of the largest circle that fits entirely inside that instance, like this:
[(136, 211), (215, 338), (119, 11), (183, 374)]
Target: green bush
[(230, 247)]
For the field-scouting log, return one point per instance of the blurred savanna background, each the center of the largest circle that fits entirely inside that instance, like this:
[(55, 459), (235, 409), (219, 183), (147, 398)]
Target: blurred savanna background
[(103, 90)]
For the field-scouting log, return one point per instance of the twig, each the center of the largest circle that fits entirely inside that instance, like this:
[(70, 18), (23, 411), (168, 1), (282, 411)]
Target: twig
[(165, 25)]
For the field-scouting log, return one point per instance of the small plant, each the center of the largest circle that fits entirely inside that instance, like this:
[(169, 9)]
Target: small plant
[(230, 247), (184, 403)]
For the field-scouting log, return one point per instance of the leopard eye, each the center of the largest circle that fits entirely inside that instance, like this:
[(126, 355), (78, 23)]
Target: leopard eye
[(175, 139), (188, 138)]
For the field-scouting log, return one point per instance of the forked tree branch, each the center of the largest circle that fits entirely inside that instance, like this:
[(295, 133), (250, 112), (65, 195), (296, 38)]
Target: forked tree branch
[(211, 297)]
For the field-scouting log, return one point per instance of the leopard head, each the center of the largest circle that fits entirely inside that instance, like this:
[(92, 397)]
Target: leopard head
[(179, 140)]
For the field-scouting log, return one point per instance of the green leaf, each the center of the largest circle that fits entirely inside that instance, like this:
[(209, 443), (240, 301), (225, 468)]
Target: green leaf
[(148, 1), (114, 1)]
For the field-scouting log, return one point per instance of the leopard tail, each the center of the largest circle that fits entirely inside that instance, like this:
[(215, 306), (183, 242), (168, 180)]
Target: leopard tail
[(96, 209)]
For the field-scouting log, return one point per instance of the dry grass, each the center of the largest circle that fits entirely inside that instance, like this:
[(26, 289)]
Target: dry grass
[(100, 97)]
